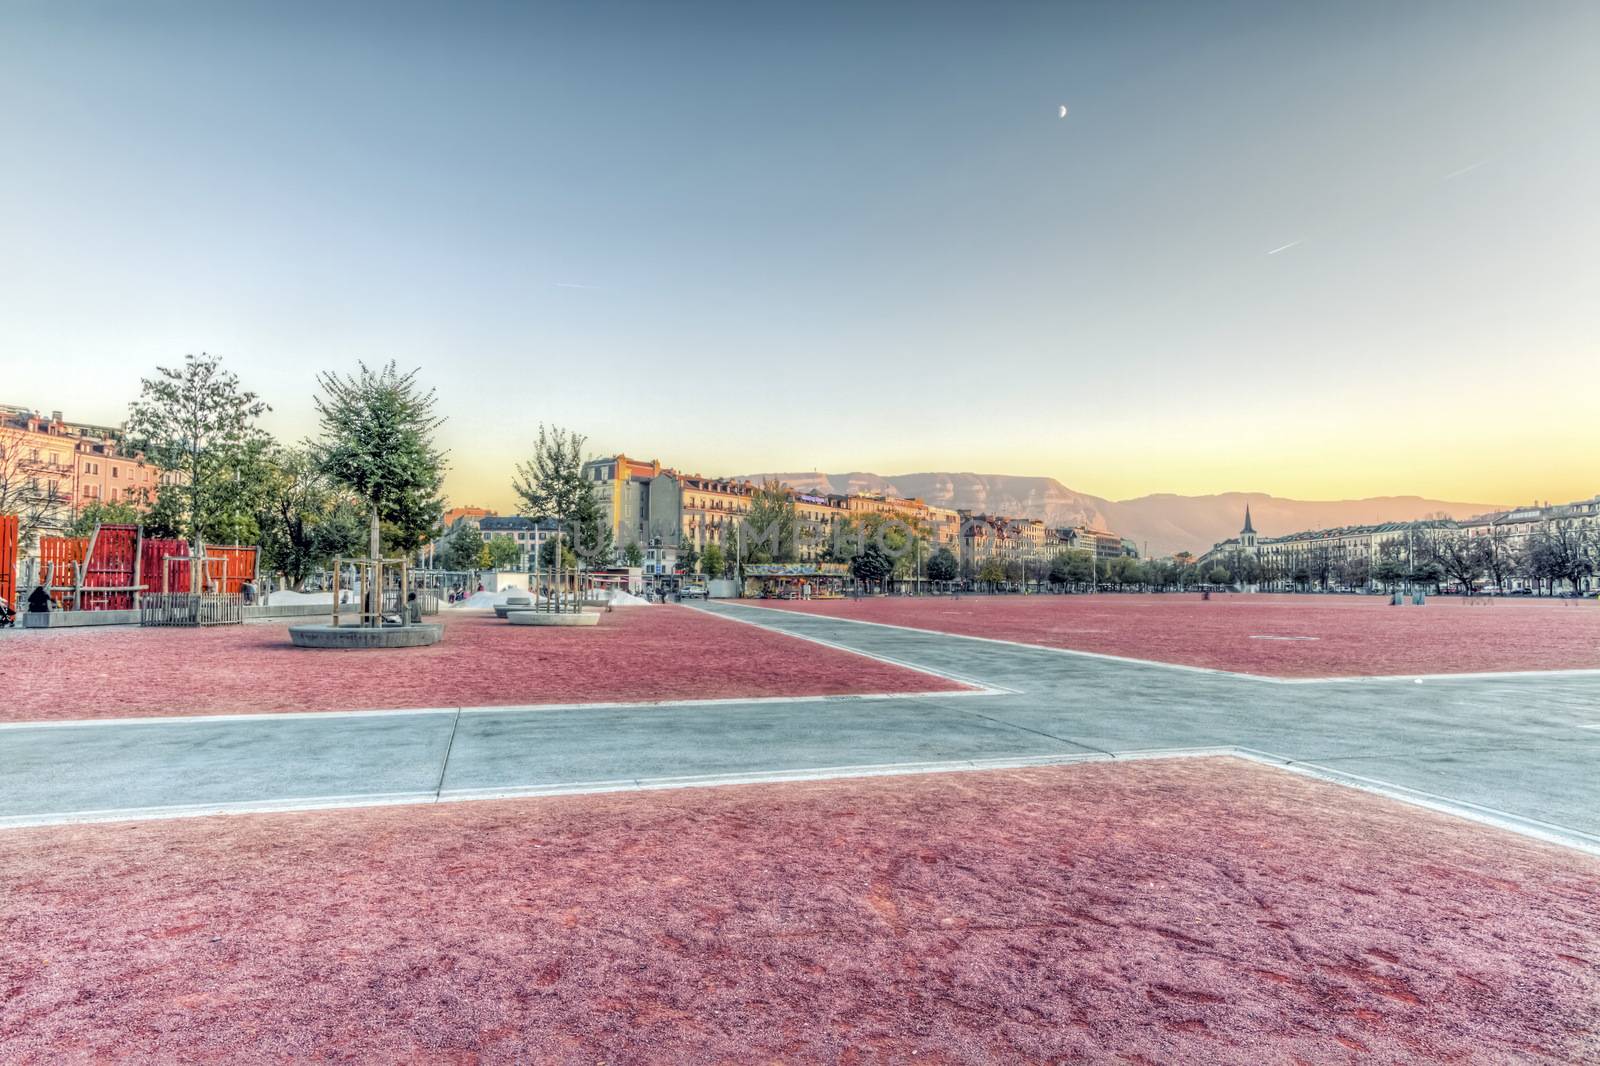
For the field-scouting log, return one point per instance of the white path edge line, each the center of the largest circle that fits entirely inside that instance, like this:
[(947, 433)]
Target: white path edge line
[(987, 687), (1488, 816), (976, 689), (1487, 675)]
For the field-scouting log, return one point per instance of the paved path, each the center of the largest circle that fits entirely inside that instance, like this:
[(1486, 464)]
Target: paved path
[(1518, 750)]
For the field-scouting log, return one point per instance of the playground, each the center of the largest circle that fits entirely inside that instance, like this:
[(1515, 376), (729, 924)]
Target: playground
[(655, 653), (1281, 636), (1192, 910)]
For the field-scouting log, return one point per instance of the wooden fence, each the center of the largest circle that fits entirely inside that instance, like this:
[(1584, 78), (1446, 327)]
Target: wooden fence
[(191, 609)]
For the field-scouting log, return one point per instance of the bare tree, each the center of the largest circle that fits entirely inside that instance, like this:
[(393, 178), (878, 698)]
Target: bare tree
[(30, 488)]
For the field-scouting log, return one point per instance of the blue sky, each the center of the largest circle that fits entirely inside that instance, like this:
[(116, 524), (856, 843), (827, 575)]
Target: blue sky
[(753, 236)]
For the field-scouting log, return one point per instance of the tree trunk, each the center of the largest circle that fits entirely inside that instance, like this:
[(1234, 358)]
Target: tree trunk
[(374, 595)]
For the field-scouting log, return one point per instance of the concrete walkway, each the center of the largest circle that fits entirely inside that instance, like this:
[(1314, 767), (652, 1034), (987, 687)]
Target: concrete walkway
[(1519, 751)]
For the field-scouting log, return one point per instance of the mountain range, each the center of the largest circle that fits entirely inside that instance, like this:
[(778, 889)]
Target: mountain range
[(1161, 524)]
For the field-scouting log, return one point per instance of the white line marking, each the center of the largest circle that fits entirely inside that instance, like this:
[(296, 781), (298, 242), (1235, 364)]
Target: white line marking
[(1489, 816), (976, 689), (942, 674)]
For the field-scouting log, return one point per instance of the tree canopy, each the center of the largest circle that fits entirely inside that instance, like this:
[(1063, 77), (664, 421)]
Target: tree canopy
[(378, 441), (195, 419)]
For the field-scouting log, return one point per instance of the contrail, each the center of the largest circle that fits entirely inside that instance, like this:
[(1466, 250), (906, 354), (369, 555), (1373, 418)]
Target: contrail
[(1283, 248), (1464, 170)]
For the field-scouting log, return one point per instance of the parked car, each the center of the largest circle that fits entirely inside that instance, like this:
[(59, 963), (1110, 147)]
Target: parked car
[(692, 592)]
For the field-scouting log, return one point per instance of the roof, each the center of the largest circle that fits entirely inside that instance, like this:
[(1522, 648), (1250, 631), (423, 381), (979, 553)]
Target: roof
[(510, 523), (796, 570), (1248, 528)]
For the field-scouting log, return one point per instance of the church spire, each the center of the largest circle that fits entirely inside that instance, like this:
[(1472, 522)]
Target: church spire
[(1248, 528)]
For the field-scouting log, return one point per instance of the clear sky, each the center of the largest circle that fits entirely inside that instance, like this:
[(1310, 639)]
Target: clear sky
[(1318, 249)]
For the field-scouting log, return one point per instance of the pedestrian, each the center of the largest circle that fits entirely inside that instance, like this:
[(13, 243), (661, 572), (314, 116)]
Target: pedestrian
[(38, 601)]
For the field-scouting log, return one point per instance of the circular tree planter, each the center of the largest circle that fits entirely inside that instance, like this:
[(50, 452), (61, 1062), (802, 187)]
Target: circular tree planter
[(355, 637), (545, 618)]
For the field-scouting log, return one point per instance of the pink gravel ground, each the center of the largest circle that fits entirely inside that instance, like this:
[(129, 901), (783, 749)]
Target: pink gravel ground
[(641, 653), (1352, 636), (1181, 911)]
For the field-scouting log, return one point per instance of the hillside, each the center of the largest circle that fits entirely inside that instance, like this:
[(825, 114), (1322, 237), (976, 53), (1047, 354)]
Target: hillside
[(1166, 521)]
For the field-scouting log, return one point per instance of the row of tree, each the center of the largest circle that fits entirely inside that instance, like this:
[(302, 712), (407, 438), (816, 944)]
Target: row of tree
[(1561, 551)]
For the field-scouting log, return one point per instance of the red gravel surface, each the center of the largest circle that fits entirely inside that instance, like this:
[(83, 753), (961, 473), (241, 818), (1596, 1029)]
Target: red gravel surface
[(1183, 911), (641, 653), (1275, 636)]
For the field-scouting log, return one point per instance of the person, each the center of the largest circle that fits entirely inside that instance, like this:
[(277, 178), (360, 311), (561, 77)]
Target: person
[(38, 600), (248, 591), (480, 586), (8, 617), (413, 608)]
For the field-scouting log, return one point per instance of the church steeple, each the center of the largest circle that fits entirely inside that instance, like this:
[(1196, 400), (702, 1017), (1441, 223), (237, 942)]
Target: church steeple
[(1248, 528)]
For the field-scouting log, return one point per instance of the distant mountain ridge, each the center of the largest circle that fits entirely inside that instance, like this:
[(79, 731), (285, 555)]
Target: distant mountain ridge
[(1166, 522)]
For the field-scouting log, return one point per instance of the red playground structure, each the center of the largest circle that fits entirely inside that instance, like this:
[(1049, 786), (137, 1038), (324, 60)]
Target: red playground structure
[(117, 567)]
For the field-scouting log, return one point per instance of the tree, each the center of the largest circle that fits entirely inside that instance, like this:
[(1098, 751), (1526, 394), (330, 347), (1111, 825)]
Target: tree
[(197, 421), (503, 553), (1500, 558), (303, 522), (1561, 550), (1354, 572), (1391, 568), (97, 512), (1219, 575), (632, 555), (462, 549), (688, 558), (377, 442), (1459, 554), (770, 529), (552, 488), (872, 565), (30, 488), (943, 565), (992, 571), (547, 555), (712, 562)]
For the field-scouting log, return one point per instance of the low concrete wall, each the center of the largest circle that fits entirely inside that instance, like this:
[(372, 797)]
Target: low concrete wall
[(295, 610), (353, 638), (69, 619)]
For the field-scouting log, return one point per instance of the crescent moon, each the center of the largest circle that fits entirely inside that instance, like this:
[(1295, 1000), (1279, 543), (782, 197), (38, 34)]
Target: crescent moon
[(1063, 110)]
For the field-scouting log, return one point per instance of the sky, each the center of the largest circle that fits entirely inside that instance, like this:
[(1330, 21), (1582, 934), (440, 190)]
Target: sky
[(1322, 250)]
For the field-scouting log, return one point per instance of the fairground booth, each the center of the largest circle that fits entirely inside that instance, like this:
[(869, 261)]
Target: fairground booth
[(796, 581)]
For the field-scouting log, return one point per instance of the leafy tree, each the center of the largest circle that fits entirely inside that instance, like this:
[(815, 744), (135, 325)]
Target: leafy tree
[(378, 428), (547, 555), (1427, 572), (164, 517), (632, 555), (303, 521), (872, 565), (551, 486), (712, 562), (197, 421), (461, 549), (943, 565), (1219, 575), (503, 553), (992, 571), (107, 512), (771, 532), (688, 558)]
